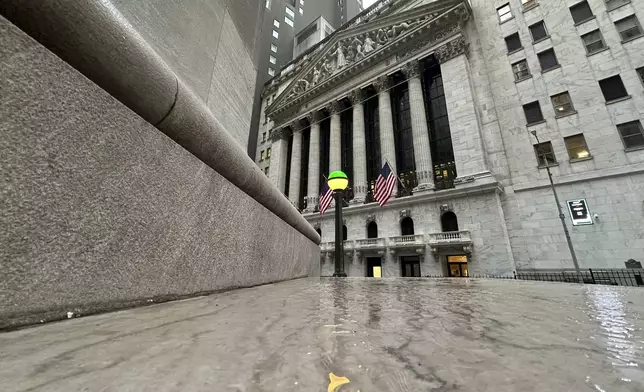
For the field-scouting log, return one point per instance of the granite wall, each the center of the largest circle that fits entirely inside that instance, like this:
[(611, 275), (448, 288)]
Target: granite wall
[(100, 210)]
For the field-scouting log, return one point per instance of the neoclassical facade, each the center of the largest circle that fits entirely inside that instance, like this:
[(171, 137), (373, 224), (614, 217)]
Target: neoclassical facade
[(450, 93)]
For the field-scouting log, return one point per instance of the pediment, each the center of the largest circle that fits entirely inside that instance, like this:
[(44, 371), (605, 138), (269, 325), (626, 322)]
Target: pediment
[(356, 48)]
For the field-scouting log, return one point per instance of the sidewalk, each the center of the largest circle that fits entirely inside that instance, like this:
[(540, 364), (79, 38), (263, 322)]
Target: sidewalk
[(383, 335)]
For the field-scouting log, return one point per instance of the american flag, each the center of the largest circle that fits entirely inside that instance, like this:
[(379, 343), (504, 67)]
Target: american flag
[(385, 185), (325, 198)]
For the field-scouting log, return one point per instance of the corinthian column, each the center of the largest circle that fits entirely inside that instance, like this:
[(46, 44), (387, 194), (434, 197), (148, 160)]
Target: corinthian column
[(296, 165), (387, 141), (279, 157), (313, 190), (359, 148), (422, 151), (335, 153)]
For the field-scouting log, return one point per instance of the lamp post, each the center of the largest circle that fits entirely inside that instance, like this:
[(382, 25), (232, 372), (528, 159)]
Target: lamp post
[(338, 182), (561, 214)]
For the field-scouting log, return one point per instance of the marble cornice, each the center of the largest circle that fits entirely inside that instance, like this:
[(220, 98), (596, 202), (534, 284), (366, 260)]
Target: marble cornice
[(427, 32)]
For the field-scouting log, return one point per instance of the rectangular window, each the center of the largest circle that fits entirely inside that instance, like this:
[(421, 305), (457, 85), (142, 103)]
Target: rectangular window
[(262, 155), (545, 154), (301, 11), (527, 4), (276, 23), (581, 12), (593, 41), (505, 13), (513, 42), (276, 34), (613, 88), (640, 73), (548, 60), (612, 4), (290, 13), (271, 71), (532, 112), (272, 59), (268, 153), (632, 134), (538, 31), (577, 148), (263, 137), (288, 21), (562, 104), (520, 70), (629, 28), (274, 48), (268, 4)]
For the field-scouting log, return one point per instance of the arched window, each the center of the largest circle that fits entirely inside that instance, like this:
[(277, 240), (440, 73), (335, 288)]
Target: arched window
[(449, 221), (407, 226), (344, 232), (372, 230)]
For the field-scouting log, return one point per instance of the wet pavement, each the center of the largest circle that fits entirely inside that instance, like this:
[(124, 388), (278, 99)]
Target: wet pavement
[(382, 335)]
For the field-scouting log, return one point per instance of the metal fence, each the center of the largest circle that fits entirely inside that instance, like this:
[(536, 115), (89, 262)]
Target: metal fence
[(613, 277)]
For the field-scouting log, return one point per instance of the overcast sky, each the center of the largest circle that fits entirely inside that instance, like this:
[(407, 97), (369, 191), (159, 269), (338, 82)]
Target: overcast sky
[(367, 3)]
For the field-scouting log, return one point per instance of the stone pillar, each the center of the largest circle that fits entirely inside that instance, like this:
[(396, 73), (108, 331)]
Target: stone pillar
[(313, 189), (422, 151), (296, 165), (335, 153), (469, 153), (359, 148), (387, 141), (279, 151)]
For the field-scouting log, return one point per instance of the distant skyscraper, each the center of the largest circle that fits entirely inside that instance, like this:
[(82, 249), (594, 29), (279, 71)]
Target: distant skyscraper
[(283, 20)]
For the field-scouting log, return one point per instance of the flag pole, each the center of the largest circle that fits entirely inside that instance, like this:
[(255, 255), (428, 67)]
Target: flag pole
[(396, 174)]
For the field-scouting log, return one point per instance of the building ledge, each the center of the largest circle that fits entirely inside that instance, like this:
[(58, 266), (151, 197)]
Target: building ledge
[(581, 22), (598, 51), (626, 98)]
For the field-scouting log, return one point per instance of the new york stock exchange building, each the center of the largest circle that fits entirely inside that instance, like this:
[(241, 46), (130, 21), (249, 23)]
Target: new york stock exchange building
[(469, 102)]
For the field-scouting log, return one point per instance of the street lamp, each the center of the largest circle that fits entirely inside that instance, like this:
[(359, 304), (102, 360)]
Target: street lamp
[(561, 214), (338, 182)]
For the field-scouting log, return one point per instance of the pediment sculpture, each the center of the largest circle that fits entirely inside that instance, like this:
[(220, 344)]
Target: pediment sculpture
[(350, 50)]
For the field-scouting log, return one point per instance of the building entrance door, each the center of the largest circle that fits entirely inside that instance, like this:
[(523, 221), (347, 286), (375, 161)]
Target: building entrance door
[(374, 267), (457, 266), (410, 266)]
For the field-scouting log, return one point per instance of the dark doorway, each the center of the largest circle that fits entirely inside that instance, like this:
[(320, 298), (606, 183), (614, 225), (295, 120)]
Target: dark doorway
[(407, 226), (344, 232), (449, 222), (410, 266), (374, 267), (372, 230)]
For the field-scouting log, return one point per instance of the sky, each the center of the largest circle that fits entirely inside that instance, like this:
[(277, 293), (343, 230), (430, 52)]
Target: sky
[(367, 3)]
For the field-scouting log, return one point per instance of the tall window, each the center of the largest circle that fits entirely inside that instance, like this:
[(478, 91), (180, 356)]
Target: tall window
[(304, 167), (562, 104), (325, 145), (346, 148), (288, 165), (513, 42), (640, 74), (521, 70), (403, 138), (440, 137), (449, 222), (372, 135), (274, 48), (271, 71), (407, 226), (372, 230)]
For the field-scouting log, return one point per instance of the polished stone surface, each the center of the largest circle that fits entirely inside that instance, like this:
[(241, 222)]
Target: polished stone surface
[(383, 335)]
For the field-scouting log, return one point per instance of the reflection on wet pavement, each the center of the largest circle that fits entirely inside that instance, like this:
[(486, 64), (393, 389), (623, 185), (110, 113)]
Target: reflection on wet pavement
[(382, 335)]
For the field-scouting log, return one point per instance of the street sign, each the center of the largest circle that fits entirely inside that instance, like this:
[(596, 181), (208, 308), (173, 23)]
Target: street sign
[(579, 212)]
